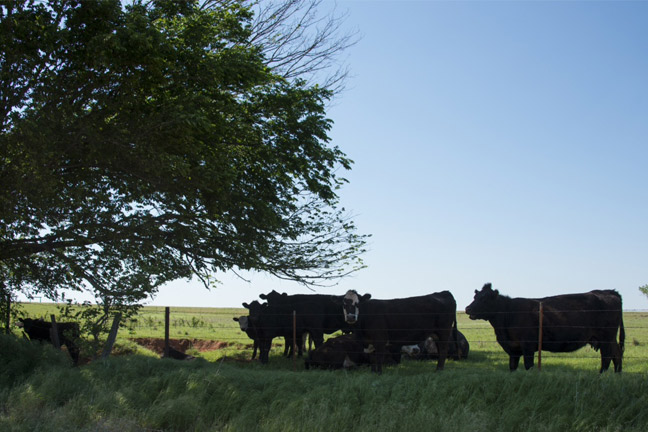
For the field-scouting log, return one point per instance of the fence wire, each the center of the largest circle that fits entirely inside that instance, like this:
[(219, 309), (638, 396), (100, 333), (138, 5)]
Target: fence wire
[(476, 332)]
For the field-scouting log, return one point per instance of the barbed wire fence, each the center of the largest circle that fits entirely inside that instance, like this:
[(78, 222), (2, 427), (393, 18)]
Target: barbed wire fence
[(220, 326)]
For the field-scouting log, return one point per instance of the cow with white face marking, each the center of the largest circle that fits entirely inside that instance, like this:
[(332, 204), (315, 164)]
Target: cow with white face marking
[(245, 327), (398, 322), (427, 350), (245, 323)]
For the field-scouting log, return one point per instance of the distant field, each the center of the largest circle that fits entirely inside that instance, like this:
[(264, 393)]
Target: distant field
[(216, 324)]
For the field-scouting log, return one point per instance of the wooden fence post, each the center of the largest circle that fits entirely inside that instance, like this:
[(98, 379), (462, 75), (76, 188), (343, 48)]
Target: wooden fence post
[(540, 312), (294, 340), (167, 314), (112, 336), (54, 334)]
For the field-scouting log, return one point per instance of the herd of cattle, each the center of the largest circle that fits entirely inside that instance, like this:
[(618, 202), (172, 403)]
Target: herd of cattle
[(379, 332)]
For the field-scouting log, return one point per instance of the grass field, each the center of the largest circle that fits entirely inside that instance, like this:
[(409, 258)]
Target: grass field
[(222, 391), (217, 324)]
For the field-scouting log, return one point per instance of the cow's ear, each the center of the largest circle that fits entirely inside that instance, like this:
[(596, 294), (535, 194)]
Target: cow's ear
[(365, 297), (263, 296), (245, 305), (235, 319)]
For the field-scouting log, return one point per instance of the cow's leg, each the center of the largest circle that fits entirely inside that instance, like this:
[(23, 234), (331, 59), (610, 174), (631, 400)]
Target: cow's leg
[(528, 359), (254, 352), (300, 344), (317, 337), (606, 356), (618, 357), (288, 343), (379, 357), (264, 348), (442, 346), (514, 361)]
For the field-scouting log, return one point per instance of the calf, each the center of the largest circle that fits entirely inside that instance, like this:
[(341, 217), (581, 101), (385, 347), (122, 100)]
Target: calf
[(39, 329), (457, 349), (339, 352), (345, 352)]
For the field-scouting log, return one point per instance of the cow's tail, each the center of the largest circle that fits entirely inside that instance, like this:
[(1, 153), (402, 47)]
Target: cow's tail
[(455, 338), (622, 335)]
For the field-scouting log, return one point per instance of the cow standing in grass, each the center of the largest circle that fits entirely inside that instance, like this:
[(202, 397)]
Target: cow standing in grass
[(398, 322), (570, 322), (39, 329), (315, 314)]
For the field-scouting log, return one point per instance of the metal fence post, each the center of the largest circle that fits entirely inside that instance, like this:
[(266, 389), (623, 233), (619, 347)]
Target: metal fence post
[(167, 313), (540, 312)]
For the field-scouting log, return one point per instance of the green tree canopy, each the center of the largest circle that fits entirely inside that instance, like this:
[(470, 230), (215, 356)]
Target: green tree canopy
[(644, 290), (151, 141)]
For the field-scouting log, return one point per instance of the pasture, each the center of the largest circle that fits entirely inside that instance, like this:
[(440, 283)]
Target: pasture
[(223, 390)]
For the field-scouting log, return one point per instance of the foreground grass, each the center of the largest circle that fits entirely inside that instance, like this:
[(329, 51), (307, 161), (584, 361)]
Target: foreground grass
[(133, 393)]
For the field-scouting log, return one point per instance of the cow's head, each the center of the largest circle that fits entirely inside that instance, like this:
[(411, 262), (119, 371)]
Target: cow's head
[(411, 350), (243, 322), (27, 323), (484, 303), (351, 305), (252, 319), (274, 297)]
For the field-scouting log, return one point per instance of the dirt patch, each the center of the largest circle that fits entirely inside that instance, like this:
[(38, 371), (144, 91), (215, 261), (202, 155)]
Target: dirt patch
[(182, 345)]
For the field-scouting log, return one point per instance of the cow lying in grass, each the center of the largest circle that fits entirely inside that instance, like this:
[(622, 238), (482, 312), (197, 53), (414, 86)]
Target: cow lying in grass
[(428, 350), (345, 352)]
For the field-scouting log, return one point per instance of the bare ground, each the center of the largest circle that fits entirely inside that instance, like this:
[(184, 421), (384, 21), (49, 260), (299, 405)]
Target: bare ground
[(182, 345)]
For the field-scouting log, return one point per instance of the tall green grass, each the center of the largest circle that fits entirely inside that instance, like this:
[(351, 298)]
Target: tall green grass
[(134, 393), (224, 391)]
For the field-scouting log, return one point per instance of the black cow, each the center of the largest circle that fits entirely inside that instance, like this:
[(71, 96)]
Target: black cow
[(177, 355), (399, 322), (345, 352), (246, 326), (39, 329), (570, 321), (315, 314), (427, 350), (339, 352), (272, 321)]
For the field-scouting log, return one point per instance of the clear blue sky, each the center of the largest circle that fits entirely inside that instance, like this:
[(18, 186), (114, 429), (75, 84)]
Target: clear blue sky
[(494, 141)]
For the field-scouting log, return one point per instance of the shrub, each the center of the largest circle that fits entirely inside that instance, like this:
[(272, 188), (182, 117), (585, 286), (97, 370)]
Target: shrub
[(20, 358)]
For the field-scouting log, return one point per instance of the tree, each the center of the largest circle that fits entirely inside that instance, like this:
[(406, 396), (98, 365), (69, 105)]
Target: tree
[(644, 290), (298, 42), (152, 141)]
